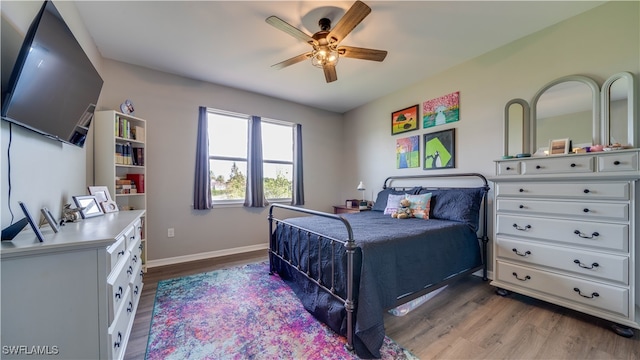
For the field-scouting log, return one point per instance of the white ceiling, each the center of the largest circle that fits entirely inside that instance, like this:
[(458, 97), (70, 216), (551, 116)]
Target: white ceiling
[(229, 42)]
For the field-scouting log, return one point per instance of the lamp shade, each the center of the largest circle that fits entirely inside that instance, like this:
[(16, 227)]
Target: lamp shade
[(361, 186)]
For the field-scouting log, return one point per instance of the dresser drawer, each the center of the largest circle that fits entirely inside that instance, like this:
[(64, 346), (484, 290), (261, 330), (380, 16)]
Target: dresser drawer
[(566, 190), (509, 168), (588, 234), (601, 296), (118, 332), (548, 165), (135, 282), (117, 286), (115, 252), (618, 162), (575, 209), (589, 263), (130, 235), (136, 252)]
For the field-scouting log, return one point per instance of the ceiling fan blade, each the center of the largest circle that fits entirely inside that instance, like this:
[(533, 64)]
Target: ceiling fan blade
[(290, 29), (330, 73), (349, 21), (362, 53), (293, 60)]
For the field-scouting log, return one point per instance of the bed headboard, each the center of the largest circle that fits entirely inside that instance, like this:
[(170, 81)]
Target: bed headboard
[(481, 177)]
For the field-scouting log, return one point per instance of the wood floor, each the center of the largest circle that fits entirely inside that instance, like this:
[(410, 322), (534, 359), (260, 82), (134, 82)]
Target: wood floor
[(465, 321)]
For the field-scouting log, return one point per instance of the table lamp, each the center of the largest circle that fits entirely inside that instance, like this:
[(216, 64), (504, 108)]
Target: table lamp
[(363, 202)]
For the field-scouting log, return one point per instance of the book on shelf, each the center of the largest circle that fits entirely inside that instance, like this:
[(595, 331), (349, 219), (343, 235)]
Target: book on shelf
[(138, 180)]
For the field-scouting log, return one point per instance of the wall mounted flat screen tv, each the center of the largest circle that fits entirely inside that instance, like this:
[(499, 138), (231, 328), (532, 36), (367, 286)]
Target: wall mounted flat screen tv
[(53, 88)]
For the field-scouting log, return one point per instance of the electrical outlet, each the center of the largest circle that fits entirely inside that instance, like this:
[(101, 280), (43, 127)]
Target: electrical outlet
[(171, 232)]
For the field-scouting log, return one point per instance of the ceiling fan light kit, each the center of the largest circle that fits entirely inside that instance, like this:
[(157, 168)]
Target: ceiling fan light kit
[(325, 43)]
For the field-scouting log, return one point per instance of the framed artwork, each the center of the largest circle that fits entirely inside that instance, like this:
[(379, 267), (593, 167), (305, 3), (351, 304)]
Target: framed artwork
[(404, 120), (439, 150), (88, 206), (559, 146), (408, 152), (442, 110)]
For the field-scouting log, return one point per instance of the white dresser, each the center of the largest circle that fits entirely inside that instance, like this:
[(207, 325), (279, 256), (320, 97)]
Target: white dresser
[(75, 295), (566, 232)]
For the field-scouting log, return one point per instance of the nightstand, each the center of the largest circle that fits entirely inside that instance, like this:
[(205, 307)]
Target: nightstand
[(342, 209)]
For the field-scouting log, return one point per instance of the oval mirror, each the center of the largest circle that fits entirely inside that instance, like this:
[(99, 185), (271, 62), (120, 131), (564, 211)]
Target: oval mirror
[(566, 108), (618, 110), (516, 127)]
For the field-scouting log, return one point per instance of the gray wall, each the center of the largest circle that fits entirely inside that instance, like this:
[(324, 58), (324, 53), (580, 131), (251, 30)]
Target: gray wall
[(597, 43)]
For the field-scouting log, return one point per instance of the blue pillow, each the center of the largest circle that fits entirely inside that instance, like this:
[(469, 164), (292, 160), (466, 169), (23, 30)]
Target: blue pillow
[(456, 204), (383, 197)]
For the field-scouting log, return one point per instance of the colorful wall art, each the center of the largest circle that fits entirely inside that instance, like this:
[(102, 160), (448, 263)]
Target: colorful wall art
[(439, 150), (442, 110), (408, 152), (404, 120)]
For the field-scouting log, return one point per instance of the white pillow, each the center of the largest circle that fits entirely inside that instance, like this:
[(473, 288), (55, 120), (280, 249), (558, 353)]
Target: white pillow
[(393, 203)]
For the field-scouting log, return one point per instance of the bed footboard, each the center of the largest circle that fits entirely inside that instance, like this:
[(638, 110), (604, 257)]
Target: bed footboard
[(293, 258)]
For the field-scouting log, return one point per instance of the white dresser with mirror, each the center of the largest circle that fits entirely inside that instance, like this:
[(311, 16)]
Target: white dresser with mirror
[(566, 226)]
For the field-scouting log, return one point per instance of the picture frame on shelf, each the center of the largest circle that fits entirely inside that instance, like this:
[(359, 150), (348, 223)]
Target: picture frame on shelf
[(88, 206), (34, 225), (109, 206), (404, 120), (101, 193), (559, 146), (50, 219)]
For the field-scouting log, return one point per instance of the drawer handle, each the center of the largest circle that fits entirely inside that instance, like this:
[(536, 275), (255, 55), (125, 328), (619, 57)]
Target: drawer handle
[(118, 295), (130, 270), (593, 295), (538, 167), (526, 253), (509, 168), (116, 344), (130, 307), (120, 253), (521, 190), (594, 265), (132, 237), (141, 274), (522, 228), (521, 206), (585, 210), (584, 236), (586, 191), (573, 165), (135, 258), (135, 291), (527, 277), (140, 246), (616, 162)]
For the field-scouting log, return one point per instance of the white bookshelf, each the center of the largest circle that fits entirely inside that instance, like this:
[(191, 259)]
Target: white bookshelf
[(117, 131)]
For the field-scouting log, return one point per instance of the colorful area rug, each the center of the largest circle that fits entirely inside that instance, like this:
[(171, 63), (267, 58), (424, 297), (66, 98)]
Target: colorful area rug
[(241, 313)]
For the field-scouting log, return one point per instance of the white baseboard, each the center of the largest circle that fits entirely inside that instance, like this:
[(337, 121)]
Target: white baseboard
[(207, 255)]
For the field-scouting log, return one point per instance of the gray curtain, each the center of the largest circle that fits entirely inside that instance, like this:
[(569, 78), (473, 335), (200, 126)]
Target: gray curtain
[(254, 196), (202, 183), (297, 197)]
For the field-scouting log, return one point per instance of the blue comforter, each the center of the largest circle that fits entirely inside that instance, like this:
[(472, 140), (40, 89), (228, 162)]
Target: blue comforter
[(395, 258)]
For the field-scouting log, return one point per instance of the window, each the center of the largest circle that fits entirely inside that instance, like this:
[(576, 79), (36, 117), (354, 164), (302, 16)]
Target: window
[(228, 134)]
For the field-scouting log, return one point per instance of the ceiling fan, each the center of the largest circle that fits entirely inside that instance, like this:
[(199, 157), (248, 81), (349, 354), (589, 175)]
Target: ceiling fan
[(326, 42)]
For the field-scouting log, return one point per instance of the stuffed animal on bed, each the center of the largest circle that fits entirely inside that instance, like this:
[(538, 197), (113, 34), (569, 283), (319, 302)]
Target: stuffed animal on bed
[(403, 212)]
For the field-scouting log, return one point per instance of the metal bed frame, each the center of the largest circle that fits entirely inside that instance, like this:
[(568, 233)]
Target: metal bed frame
[(350, 247)]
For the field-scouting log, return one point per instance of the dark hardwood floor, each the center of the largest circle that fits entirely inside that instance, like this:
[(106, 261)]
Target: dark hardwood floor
[(465, 321)]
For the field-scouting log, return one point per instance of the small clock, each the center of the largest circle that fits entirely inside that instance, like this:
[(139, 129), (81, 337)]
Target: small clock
[(127, 107)]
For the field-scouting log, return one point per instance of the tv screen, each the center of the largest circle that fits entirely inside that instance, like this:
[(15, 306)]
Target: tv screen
[(54, 87)]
